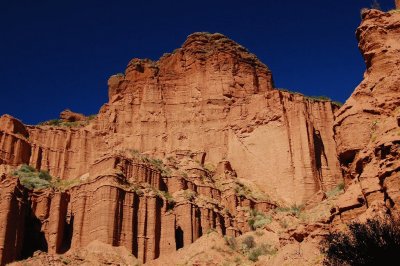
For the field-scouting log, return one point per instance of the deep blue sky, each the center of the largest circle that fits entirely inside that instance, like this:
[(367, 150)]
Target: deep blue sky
[(57, 54)]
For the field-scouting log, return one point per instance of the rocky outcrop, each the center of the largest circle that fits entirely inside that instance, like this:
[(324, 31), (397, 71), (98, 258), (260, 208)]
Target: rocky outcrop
[(15, 148), (366, 127), (65, 152), (211, 112), (212, 96), (13, 208), (69, 116)]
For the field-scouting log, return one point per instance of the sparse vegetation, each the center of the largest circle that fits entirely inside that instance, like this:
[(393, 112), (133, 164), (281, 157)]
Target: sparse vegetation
[(339, 189), (263, 249), (314, 98), (294, 209), (189, 194), (156, 164), (36, 180), (376, 242), (337, 103), (209, 168), (249, 247), (318, 98), (61, 123), (258, 219), (32, 179), (248, 243), (245, 191), (91, 117), (63, 184), (289, 91), (231, 242), (170, 200)]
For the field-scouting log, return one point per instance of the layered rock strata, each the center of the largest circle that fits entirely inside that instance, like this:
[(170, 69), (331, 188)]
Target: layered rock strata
[(210, 110), (367, 128)]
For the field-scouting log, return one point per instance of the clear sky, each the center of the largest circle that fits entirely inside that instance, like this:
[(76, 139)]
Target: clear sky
[(57, 54)]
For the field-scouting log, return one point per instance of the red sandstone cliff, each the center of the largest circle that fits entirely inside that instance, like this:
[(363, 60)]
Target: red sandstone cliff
[(367, 127), (210, 110), (210, 103)]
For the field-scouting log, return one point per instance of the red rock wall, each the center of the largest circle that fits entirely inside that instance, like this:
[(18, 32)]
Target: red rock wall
[(211, 98), (65, 153), (13, 209), (14, 145), (367, 127), (224, 105), (14, 150)]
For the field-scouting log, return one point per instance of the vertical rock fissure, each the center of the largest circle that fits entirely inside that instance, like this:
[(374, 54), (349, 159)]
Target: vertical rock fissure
[(67, 234), (135, 225), (34, 237), (179, 237)]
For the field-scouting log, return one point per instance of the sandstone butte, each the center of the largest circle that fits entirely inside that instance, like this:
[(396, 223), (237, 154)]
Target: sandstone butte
[(194, 146)]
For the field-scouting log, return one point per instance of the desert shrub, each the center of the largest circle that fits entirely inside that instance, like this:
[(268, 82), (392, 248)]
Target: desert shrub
[(91, 117), (294, 209), (376, 242), (155, 163), (230, 241), (45, 175), (189, 194), (169, 198), (318, 98), (248, 242), (263, 249), (339, 189), (61, 123), (337, 103), (258, 219), (53, 122), (63, 184), (211, 230), (32, 179), (209, 168)]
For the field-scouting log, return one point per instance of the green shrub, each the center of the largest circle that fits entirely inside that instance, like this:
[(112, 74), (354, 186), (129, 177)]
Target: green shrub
[(248, 242), (169, 198), (294, 209), (339, 189), (376, 242), (45, 175), (53, 122), (230, 241), (156, 164), (91, 117), (189, 194), (263, 249), (337, 103), (258, 219), (318, 98), (32, 179)]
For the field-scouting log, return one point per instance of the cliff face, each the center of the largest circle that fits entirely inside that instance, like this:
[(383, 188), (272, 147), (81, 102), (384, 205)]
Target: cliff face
[(367, 127), (210, 110), (209, 97)]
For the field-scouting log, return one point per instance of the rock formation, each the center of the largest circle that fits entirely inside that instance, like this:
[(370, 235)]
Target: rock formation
[(367, 126), (201, 141), (69, 116)]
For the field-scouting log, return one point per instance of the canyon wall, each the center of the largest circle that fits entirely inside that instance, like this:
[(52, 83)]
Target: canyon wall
[(210, 111), (367, 127)]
